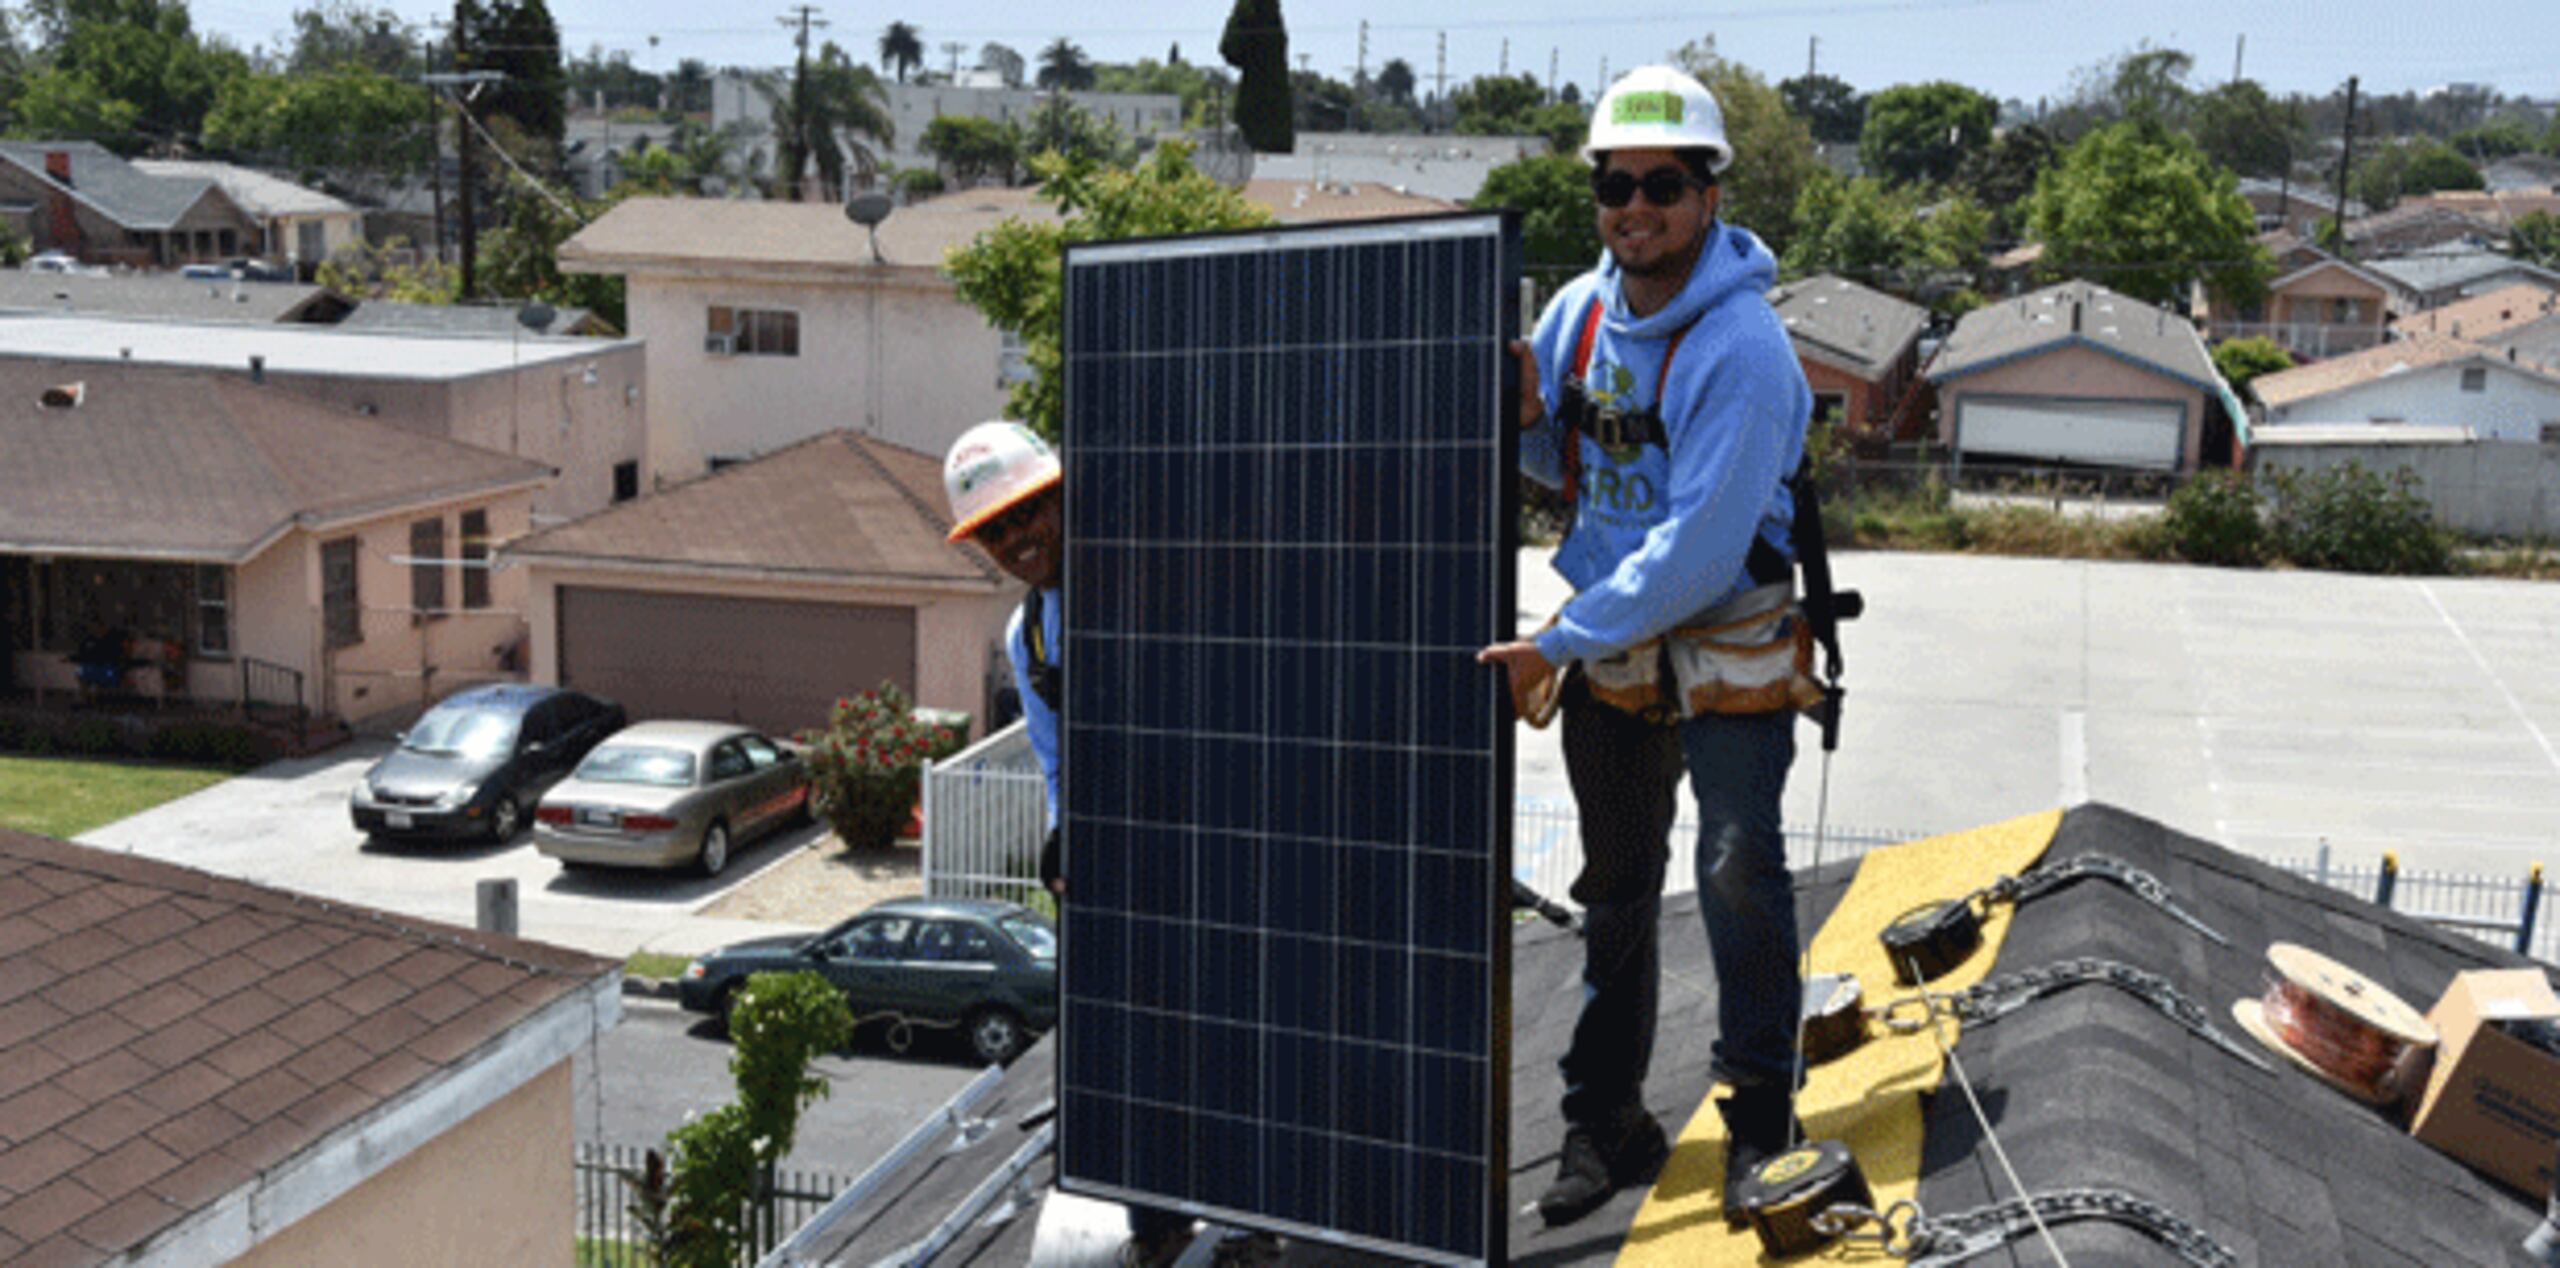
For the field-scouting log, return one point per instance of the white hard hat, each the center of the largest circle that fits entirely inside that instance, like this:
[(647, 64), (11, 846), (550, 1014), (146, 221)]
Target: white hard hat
[(991, 467), (1658, 108)]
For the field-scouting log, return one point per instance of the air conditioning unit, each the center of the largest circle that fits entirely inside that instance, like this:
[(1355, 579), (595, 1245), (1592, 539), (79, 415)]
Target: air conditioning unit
[(720, 345)]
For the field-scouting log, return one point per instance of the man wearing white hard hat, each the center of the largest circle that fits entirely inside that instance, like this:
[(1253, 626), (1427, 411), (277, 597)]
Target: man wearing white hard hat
[(1661, 395)]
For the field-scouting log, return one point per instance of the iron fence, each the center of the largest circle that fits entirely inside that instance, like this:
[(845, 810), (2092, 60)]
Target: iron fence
[(613, 1234)]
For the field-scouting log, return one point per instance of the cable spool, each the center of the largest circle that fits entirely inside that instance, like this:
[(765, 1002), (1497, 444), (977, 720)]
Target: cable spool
[(2343, 1027), (1834, 1022), (1935, 936), (1781, 1196)]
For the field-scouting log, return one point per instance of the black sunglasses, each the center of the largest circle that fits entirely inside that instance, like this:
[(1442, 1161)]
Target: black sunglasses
[(1663, 186)]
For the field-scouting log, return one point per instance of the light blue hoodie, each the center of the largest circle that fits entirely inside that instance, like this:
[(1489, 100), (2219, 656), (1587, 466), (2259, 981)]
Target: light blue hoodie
[(1649, 547)]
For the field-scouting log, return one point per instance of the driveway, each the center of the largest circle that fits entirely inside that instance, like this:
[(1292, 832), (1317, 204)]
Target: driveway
[(286, 825)]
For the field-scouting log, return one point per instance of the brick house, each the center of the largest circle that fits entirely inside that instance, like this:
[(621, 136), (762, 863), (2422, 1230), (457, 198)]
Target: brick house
[(1861, 353)]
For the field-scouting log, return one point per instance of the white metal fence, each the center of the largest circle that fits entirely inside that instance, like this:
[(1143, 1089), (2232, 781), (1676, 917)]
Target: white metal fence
[(986, 813)]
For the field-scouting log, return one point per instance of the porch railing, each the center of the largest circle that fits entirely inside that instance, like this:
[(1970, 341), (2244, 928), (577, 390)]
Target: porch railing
[(2306, 338), (265, 682)]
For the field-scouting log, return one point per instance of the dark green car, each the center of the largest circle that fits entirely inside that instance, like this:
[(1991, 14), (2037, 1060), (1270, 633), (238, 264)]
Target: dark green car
[(983, 967)]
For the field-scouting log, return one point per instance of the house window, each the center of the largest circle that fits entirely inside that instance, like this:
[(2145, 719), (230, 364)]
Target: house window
[(2475, 378), (475, 559), (310, 241), (340, 616), (228, 241), (213, 610), (754, 332), (1830, 407), (2551, 433), (626, 481), (426, 569)]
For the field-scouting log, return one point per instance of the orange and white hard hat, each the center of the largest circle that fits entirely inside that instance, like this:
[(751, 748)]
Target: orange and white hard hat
[(991, 467)]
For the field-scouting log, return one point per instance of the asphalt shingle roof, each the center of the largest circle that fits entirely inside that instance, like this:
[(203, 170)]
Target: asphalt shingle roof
[(496, 321), (130, 196), (1857, 327), (167, 1035), (2040, 320), (158, 295), (2482, 316), (258, 193), (2427, 272), (725, 232), (2320, 378)]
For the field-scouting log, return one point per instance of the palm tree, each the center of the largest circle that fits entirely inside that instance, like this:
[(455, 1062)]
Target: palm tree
[(833, 104), (1064, 67), (901, 50)]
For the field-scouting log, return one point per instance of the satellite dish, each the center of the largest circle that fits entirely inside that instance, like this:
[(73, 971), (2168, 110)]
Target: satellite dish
[(868, 209), (536, 316), (1223, 157)]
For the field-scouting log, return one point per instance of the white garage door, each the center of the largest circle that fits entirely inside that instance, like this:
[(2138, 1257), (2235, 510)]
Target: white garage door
[(2145, 434)]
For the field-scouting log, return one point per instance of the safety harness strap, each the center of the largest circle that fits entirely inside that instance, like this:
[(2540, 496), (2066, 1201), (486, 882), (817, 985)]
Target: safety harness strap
[(1048, 677)]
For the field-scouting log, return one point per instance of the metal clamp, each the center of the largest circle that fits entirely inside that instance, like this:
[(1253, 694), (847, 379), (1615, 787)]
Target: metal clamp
[(1845, 1222)]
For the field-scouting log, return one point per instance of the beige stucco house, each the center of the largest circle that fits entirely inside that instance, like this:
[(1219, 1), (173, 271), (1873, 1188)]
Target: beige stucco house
[(243, 545), (215, 1072), (2321, 306), (298, 226)]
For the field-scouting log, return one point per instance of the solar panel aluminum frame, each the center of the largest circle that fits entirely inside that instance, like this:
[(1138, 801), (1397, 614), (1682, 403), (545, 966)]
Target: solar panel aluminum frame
[(1499, 623)]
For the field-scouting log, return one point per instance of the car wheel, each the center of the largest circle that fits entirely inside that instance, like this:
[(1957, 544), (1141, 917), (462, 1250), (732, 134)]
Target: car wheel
[(996, 1035), (724, 1004), (715, 849), (505, 820)]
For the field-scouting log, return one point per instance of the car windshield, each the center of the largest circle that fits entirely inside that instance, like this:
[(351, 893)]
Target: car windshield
[(463, 732), (636, 764), (1038, 939)]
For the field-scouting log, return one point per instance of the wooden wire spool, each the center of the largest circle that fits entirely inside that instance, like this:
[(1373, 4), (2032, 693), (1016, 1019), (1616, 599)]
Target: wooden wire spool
[(1781, 1196), (2346, 1029)]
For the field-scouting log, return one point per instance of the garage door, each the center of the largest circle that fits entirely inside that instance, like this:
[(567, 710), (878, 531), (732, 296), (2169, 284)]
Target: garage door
[(2145, 434), (766, 663)]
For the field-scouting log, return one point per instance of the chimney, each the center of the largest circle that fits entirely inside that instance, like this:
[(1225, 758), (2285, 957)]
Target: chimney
[(257, 368), (57, 164), (64, 395)]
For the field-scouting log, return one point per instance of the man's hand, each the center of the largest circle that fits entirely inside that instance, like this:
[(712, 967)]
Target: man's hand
[(1532, 405), (1528, 665)]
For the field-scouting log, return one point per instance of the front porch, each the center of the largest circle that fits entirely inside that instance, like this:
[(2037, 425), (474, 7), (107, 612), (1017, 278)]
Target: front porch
[(133, 637)]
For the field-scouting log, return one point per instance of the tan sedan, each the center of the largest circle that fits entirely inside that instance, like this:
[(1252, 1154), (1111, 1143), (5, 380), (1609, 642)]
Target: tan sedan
[(672, 794)]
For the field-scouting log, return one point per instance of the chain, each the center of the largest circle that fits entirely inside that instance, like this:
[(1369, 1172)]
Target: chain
[(1999, 996), (1906, 1232), (2044, 879)]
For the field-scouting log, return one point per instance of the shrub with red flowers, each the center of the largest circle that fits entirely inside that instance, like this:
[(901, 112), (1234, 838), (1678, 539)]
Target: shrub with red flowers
[(866, 767)]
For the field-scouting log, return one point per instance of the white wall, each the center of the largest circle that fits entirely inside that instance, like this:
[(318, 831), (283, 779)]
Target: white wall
[(905, 361), (2513, 405)]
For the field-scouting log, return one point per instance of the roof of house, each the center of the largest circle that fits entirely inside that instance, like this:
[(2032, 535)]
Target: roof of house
[(177, 1048), (126, 194), (1859, 328), (837, 506), (2499, 208), (288, 348), (1447, 167), (2426, 273), (2308, 195), (715, 233), (1298, 202), (2311, 259), (258, 193), (496, 320), (161, 296), (188, 465), (2419, 211), (2400, 356), (2487, 314), (2077, 313), (2538, 343), (2091, 1087), (2360, 434)]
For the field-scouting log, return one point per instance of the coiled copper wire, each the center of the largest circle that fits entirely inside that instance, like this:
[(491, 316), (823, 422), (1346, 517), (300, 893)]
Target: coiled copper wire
[(2334, 1040)]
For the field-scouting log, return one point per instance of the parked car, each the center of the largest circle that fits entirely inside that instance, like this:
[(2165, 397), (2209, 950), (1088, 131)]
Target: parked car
[(673, 794), (475, 764), (982, 966)]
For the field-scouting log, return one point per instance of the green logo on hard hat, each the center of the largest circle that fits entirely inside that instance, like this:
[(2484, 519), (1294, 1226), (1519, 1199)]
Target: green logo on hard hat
[(1646, 107)]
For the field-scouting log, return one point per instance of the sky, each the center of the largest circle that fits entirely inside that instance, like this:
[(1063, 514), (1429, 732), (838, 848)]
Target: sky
[(2021, 49)]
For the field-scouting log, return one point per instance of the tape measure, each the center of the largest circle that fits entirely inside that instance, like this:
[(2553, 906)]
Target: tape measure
[(1834, 1021), (1935, 936), (1782, 1195)]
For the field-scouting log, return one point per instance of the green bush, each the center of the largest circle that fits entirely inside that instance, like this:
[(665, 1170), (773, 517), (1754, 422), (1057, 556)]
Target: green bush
[(918, 182), (2218, 518), (716, 1193), (2348, 519), (866, 767), (93, 737), (208, 743)]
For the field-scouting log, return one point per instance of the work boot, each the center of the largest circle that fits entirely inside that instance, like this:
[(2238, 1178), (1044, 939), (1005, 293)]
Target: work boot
[(1590, 1169), (1758, 1122)]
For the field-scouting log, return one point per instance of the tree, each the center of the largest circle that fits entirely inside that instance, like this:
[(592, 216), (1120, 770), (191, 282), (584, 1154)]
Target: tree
[(689, 88), (972, 149), (1003, 62), (1064, 67), (1559, 228), (2146, 86), (138, 61), (1922, 132), (69, 105), (1011, 272), (2536, 237), (1565, 126), (2240, 127), (1256, 43), (326, 36), (833, 103), (901, 50), (2147, 216), (1395, 81), (349, 124), (2001, 176), (720, 1184), (609, 77), (2240, 360), (2496, 139), (1203, 90), (2409, 169), (1773, 152), (1322, 103), (1063, 128), (1496, 105), (1835, 111), (1888, 236)]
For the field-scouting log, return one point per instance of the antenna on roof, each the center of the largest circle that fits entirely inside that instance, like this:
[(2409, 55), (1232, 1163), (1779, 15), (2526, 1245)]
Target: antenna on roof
[(868, 209)]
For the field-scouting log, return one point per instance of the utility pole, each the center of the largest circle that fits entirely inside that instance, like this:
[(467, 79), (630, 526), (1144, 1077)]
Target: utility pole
[(1360, 69), (955, 48), (1505, 72), (2346, 158), (1440, 75), (470, 214), (1603, 81), (1812, 50), (804, 16), (2238, 54), (435, 143), (1552, 53)]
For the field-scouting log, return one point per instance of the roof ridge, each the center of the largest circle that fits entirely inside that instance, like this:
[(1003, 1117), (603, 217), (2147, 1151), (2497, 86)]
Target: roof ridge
[(861, 444)]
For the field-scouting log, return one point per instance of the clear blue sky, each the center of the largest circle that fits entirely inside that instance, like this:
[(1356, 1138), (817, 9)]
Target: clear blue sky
[(2024, 49)]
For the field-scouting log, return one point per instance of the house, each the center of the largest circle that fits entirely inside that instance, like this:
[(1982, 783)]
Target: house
[(1307, 202), (1450, 168), (2536, 343), (1860, 349), (77, 198), (2424, 378), (2498, 208), (2076, 373), (2483, 317), (571, 404), (198, 1070), (2522, 174), (2293, 206), (741, 100), (298, 226), (168, 297), (248, 544), (2440, 275), (2320, 306), (489, 321), (2417, 224), (762, 592)]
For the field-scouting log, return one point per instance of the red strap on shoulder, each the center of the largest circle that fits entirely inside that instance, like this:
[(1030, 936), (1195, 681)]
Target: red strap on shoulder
[(1573, 425), (1590, 334)]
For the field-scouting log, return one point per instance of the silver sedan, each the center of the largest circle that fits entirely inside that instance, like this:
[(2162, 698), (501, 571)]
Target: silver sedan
[(672, 794)]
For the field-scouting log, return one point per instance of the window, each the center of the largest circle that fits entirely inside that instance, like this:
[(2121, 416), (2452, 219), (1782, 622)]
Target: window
[(2551, 433), (426, 569), (729, 761), (952, 942), (626, 481), (755, 332), (310, 241), (760, 752), (340, 615), (213, 610), (2475, 378), (881, 939), (475, 559)]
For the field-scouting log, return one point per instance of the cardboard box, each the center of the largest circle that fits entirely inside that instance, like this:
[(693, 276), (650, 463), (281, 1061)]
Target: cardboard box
[(2494, 1100)]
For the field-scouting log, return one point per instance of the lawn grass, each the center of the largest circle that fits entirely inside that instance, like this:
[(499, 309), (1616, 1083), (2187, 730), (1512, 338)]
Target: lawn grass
[(64, 796), (657, 964)]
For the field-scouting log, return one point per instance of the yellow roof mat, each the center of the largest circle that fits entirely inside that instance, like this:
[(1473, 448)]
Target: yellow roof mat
[(1870, 1098)]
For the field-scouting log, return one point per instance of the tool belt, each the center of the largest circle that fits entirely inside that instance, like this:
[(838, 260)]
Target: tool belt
[(1752, 654)]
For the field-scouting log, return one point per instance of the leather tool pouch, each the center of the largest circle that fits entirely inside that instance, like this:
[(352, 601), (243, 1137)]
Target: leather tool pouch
[(1754, 656)]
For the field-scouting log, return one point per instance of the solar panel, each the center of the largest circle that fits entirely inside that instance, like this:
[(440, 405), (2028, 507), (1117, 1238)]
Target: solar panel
[(1290, 523)]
